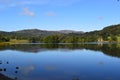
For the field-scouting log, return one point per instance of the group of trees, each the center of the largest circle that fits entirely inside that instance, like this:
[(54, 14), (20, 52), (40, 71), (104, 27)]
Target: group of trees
[(57, 38), (4, 39), (60, 39)]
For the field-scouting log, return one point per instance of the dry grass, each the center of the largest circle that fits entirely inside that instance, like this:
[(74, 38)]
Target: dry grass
[(12, 41)]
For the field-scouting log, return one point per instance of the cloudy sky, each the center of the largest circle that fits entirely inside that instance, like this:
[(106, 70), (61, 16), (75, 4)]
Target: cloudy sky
[(80, 15)]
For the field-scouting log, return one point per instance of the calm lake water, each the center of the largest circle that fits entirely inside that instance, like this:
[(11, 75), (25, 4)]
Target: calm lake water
[(60, 62)]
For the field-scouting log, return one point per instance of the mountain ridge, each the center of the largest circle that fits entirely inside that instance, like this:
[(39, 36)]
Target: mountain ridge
[(105, 32), (42, 32)]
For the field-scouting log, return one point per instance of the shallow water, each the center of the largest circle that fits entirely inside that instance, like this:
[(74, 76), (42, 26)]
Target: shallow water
[(60, 61)]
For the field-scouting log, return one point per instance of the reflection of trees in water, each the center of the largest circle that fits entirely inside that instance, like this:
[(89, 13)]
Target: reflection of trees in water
[(4, 70), (76, 79), (108, 49), (111, 50)]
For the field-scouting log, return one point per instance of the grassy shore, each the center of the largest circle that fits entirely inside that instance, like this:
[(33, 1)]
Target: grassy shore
[(14, 41)]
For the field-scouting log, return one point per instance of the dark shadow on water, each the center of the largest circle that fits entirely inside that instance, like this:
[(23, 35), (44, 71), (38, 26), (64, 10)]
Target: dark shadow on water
[(3, 77)]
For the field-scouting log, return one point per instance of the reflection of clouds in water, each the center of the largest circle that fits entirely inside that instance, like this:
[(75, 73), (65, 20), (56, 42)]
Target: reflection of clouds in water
[(71, 73), (27, 69), (50, 68), (101, 63), (29, 61), (108, 78)]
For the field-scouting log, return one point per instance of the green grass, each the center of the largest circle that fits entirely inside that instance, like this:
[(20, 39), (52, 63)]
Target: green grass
[(12, 41), (118, 39)]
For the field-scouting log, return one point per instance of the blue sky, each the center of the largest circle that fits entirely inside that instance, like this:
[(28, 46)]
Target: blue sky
[(80, 15)]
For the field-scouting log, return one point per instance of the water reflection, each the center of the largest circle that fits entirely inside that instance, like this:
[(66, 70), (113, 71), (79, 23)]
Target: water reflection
[(4, 70), (60, 62), (108, 49), (26, 70)]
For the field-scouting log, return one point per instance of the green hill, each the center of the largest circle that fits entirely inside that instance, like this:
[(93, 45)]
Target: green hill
[(111, 30)]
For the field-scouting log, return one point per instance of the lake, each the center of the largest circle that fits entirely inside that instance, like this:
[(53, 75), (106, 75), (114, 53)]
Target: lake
[(60, 62)]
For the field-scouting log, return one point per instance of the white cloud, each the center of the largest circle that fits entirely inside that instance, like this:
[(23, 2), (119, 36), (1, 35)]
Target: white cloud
[(50, 13), (63, 2), (26, 11), (15, 3), (50, 68), (28, 69)]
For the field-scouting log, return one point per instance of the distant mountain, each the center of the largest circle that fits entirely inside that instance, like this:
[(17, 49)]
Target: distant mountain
[(45, 31), (2, 32), (70, 31), (107, 31), (37, 32)]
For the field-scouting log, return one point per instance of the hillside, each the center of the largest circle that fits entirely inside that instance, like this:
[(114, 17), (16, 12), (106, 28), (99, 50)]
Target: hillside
[(110, 34), (37, 32), (107, 31), (111, 30)]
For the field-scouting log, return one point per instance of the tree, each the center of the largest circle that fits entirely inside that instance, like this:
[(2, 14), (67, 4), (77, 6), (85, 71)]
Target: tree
[(4, 39), (34, 39)]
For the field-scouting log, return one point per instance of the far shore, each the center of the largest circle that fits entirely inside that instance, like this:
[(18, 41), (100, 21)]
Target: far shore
[(10, 43)]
